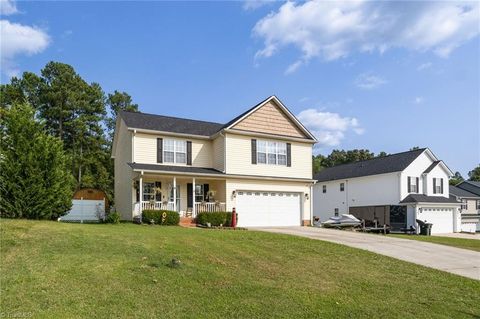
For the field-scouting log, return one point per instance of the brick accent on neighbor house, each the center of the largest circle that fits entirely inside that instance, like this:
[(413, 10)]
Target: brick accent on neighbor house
[(306, 223)]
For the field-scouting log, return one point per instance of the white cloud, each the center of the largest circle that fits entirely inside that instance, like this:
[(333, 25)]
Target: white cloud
[(255, 4), (369, 81), (424, 66), (418, 100), (8, 7), (329, 128), (17, 39), (333, 29)]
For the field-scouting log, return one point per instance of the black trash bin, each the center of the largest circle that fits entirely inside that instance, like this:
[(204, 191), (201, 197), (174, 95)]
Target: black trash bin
[(425, 228), (429, 228)]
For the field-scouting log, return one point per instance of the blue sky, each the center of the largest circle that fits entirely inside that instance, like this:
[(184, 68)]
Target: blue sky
[(379, 75)]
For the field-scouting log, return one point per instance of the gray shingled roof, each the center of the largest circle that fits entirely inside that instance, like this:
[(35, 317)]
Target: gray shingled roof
[(169, 124), (178, 125), (420, 198), (470, 186), (432, 166), (379, 165), (457, 191), (173, 169)]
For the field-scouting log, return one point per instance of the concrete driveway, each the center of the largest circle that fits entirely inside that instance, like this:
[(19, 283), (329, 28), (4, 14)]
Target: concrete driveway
[(457, 261)]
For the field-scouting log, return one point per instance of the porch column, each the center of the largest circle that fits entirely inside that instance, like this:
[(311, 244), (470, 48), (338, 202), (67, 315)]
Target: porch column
[(140, 185), (193, 198), (174, 193)]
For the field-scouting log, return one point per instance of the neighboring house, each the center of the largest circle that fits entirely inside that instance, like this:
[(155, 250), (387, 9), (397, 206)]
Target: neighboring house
[(259, 163), (470, 208), (395, 190), (472, 187)]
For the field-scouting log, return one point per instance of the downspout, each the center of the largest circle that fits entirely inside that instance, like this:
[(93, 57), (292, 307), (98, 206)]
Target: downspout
[(311, 202), (346, 196), (133, 145), (224, 152)]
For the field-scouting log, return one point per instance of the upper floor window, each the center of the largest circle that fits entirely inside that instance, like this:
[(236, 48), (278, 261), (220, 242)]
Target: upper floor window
[(324, 188), (478, 204), (437, 185), (464, 204), (336, 212), (342, 187), (413, 184), (174, 151), (273, 153)]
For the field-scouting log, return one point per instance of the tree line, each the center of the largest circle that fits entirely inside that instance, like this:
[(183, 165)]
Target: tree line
[(56, 107)]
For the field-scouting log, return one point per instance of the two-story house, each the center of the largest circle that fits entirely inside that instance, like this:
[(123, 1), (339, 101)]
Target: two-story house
[(259, 163), (468, 193), (395, 190)]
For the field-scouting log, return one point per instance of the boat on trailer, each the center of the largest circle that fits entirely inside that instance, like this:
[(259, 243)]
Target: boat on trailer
[(343, 221)]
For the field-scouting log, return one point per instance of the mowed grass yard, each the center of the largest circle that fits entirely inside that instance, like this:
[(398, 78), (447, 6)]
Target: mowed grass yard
[(57, 270), (465, 243)]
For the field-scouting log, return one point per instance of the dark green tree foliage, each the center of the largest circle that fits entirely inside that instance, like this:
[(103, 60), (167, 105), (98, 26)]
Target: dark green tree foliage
[(74, 111), (342, 157), (118, 101), (456, 179), (338, 157), (474, 175), (35, 182)]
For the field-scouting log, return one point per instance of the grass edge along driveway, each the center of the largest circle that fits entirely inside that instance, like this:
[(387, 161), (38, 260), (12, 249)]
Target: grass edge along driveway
[(465, 243), (52, 269)]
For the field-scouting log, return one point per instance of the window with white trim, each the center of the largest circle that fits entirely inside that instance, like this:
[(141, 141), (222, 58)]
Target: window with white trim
[(464, 204), (342, 187), (438, 185), (478, 204), (174, 151), (413, 184), (272, 153)]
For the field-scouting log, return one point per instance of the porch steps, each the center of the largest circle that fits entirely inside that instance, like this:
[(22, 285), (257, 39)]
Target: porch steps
[(187, 222)]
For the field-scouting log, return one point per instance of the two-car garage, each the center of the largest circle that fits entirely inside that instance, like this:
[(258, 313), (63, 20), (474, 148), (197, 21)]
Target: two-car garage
[(267, 208)]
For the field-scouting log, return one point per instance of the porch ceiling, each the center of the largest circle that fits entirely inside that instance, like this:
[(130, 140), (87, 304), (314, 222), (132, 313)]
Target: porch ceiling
[(175, 169)]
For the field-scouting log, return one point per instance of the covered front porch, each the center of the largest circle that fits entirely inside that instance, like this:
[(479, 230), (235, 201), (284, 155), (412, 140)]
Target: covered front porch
[(187, 195)]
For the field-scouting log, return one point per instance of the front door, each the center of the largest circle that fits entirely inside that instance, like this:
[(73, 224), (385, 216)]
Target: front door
[(170, 195)]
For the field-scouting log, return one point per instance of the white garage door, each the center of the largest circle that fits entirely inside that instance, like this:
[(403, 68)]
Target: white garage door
[(256, 208), (441, 218)]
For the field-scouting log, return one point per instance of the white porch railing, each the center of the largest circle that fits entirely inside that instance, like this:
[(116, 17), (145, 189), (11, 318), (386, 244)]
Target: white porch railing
[(209, 207), (157, 205)]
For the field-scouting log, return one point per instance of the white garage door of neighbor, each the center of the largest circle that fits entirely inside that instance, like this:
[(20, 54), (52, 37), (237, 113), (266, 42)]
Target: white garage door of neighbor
[(441, 218), (256, 208), (85, 210)]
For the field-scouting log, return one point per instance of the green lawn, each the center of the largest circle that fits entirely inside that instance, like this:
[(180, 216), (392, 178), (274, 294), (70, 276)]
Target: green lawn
[(472, 244), (57, 270)]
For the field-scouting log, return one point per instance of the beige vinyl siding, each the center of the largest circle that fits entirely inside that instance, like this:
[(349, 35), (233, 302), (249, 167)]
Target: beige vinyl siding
[(270, 119), (273, 186), (123, 173), (239, 159), (219, 153), (146, 150)]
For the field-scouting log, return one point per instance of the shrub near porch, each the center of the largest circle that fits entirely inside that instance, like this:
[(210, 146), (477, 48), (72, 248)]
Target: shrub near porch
[(160, 217), (215, 218)]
